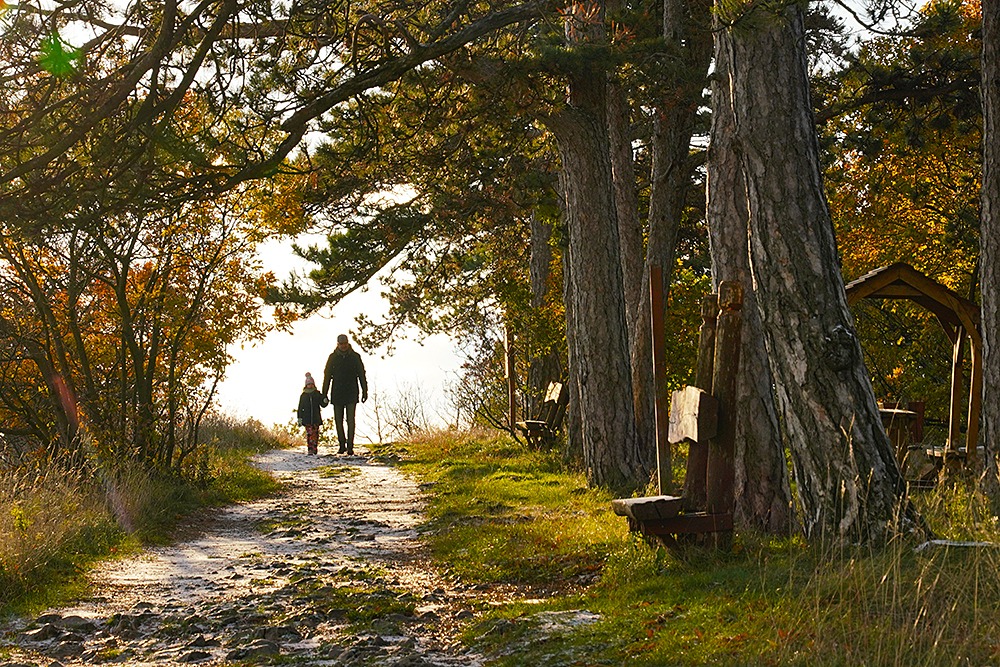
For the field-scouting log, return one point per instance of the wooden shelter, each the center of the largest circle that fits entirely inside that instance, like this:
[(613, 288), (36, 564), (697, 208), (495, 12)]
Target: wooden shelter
[(960, 319)]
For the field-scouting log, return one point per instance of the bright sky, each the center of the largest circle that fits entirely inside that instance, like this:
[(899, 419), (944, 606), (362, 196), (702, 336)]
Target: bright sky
[(267, 378)]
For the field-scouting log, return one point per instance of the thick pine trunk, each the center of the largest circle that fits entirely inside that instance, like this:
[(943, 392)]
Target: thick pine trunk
[(989, 261), (630, 230), (763, 495), (597, 335), (685, 30), (630, 233), (848, 482)]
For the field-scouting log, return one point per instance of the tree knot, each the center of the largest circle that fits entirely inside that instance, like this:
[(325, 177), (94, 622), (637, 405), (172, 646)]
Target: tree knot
[(840, 348)]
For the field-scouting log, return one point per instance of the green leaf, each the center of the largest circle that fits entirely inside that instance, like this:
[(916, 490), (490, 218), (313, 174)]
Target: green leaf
[(58, 58)]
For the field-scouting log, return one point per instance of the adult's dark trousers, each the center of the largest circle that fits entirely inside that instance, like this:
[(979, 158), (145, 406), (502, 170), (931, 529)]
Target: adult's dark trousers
[(339, 413)]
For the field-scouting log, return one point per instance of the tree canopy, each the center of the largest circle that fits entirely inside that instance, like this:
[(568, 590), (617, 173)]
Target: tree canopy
[(519, 167)]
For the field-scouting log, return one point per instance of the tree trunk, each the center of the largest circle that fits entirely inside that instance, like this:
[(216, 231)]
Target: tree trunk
[(848, 482), (596, 334), (630, 232), (573, 453), (762, 489), (545, 367), (684, 30), (989, 240)]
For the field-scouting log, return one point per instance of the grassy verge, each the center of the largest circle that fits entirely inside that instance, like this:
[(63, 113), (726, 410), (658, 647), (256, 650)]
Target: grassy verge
[(55, 523), (499, 514)]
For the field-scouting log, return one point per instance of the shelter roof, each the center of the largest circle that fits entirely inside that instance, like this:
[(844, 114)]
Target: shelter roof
[(902, 281)]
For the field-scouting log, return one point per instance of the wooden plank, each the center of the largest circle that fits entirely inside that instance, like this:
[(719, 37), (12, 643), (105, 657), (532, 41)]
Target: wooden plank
[(955, 409), (871, 282), (896, 290), (648, 508), (975, 403), (531, 425), (945, 453), (694, 480), (693, 415), (687, 524), (720, 473)]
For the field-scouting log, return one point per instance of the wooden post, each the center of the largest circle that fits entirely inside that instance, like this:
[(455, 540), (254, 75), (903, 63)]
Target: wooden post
[(975, 404), (694, 480), (722, 448), (662, 416), (508, 344), (955, 411), (705, 370)]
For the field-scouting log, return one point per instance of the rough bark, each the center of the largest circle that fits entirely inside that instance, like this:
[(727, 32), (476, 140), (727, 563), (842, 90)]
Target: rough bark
[(763, 495), (685, 29), (989, 261), (848, 482), (630, 230), (573, 453), (597, 334), (630, 233)]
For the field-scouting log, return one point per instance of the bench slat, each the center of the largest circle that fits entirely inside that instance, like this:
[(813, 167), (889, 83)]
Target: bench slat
[(650, 507), (688, 524)]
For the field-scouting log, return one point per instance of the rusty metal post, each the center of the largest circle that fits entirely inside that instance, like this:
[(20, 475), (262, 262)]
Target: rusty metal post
[(694, 480), (662, 414)]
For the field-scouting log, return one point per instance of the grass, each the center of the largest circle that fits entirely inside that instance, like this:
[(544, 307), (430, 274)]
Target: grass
[(56, 522), (501, 514)]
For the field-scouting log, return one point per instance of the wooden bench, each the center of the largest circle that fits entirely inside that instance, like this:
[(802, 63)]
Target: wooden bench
[(694, 417), (698, 416), (543, 428)]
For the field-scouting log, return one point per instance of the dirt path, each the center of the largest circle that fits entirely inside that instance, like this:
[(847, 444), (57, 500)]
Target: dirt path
[(330, 572)]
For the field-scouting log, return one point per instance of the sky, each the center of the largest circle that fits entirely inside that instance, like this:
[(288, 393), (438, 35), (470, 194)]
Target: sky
[(266, 378)]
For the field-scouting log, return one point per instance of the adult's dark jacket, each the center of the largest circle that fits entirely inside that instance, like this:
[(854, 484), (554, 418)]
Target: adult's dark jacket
[(309, 404), (343, 375)]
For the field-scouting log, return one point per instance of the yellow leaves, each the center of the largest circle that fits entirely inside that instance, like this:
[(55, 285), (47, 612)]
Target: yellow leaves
[(284, 317), (972, 10), (278, 204), (19, 519)]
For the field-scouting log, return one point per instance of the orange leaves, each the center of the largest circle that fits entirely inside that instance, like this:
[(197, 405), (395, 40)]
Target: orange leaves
[(134, 313)]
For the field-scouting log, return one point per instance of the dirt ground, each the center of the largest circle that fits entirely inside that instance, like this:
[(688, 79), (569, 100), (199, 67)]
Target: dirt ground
[(329, 572)]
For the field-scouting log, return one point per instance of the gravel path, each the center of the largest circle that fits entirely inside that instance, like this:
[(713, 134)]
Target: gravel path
[(329, 572)]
